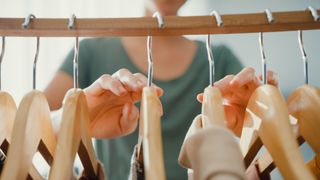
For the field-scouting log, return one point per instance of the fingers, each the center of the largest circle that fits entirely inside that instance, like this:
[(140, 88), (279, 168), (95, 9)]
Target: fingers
[(130, 81), (245, 77), (106, 82), (224, 84), (200, 97), (129, 119), (144, 79), (120, 83), (272, 78)]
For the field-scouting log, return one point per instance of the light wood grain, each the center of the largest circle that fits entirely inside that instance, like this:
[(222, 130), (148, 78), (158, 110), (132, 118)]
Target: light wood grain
[(150, 117), (32, 131), (173, 25), (8, 111), (74, 137), (212, 108), (276, 133), (304, 104)]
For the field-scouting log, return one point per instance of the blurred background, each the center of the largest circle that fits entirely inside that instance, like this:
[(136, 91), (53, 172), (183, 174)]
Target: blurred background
[(282, 51)]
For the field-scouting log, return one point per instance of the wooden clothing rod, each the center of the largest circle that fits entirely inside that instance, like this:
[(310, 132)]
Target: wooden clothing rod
[(173, 25)]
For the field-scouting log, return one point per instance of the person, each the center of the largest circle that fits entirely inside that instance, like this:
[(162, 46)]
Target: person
[(111, 72)]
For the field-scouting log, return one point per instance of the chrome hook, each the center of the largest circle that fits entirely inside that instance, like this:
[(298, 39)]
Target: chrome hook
[(35, 64), (209, 50), (76, 54), (1, 57), (71, 21), (304, 57), (261, 45), (149, 48), (316, 17), (314, 13), (25, 25)]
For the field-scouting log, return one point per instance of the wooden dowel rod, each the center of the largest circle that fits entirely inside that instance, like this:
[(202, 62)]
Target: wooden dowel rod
[(173, 25)]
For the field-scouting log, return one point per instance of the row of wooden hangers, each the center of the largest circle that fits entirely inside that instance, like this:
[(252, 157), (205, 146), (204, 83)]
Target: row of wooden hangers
[(30, 126), (28, 129), (266, 121)]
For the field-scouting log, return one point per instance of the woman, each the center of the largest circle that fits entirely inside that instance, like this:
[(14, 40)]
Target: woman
[(109, 73)]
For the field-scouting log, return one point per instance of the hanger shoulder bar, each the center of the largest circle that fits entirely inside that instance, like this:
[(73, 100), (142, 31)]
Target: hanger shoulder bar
[(173, 25)]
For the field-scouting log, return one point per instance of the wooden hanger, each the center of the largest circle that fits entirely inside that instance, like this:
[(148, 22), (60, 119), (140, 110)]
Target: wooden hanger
[(275, 131), (32, 131), (8, 111), (303, 104), (212, 108), (150, 138), (73, 137)]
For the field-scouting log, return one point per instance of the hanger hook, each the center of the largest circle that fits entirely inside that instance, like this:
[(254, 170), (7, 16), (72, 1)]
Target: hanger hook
[(316, 17), (261, 45), (26, 25), (149, 48), (76, 54), (314, 13), (209, 50), (304, 57), (2, 55), (71, 21)]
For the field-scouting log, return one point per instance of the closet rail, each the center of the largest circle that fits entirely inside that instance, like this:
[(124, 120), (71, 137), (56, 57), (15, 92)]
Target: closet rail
[(183, 25)]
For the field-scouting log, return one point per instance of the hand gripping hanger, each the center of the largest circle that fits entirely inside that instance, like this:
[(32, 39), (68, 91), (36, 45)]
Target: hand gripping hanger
[(212, 107), (32, 131), (74, 135), (303, 104), (149, 148), (250, 143), (268, 109)]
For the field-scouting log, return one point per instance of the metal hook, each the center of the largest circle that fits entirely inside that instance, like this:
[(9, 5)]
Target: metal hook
[(71, 21), (26, 23), (209, 50), (261, 45), (149, 48), (314, 13), (76, 54), (35, 64), (304, 57), (316, 17), (1, 57)]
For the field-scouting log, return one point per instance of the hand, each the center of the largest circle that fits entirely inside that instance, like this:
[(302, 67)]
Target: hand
[(236, 91), (111, 101)]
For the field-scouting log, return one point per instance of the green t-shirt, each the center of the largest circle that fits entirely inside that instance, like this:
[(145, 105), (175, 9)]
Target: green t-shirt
[(106, 56)]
